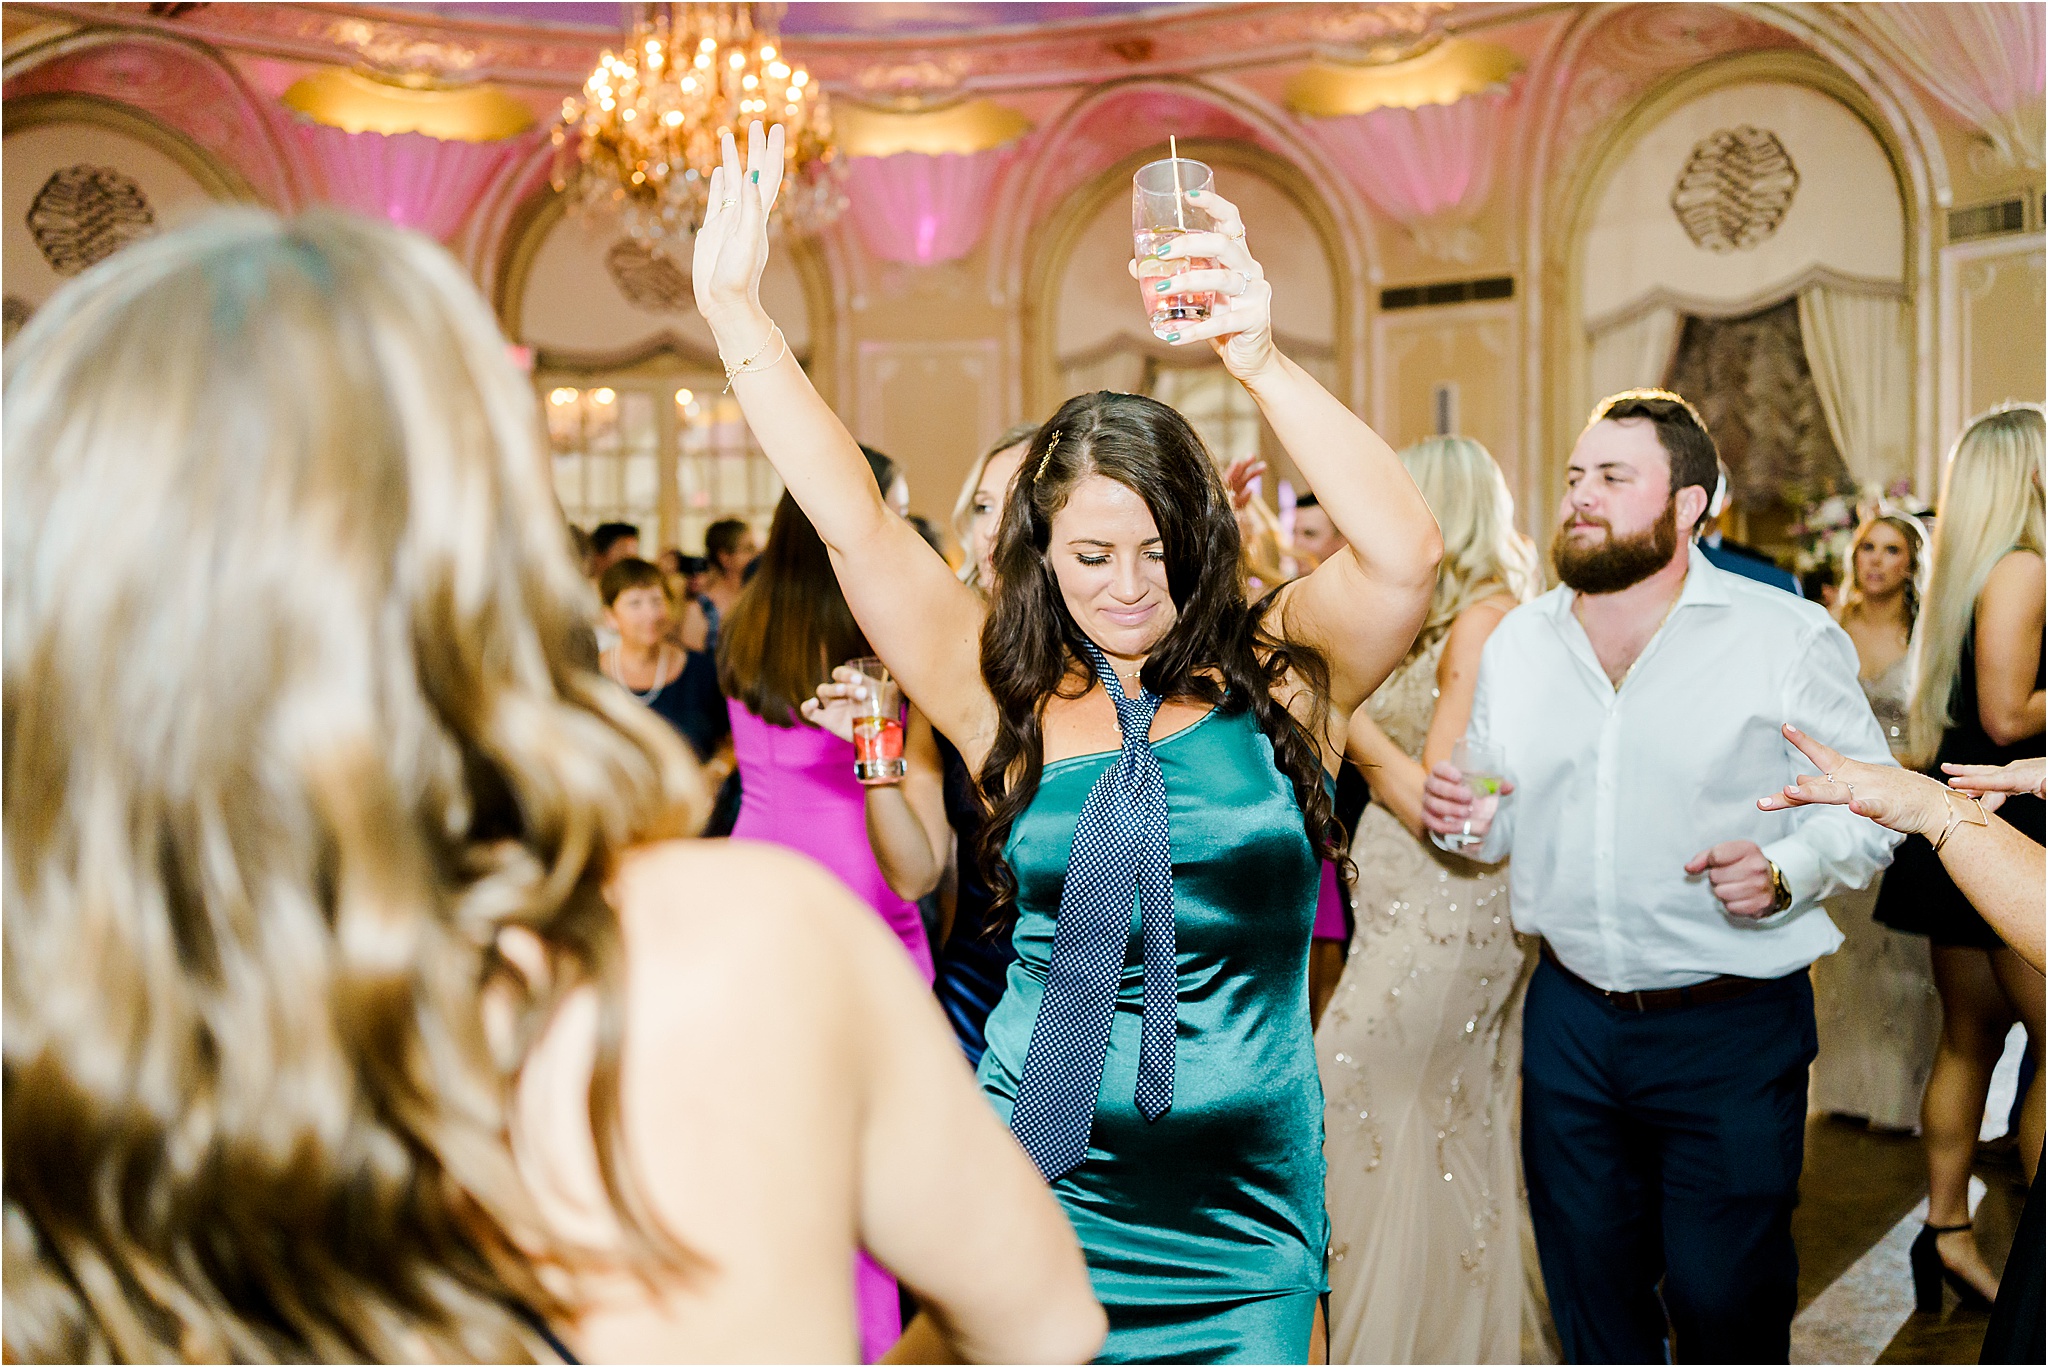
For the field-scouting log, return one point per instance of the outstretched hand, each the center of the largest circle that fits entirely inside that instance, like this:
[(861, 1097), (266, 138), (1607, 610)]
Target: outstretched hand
[(1895, 798), (1240, 325), (731, 249), (1993, 783)]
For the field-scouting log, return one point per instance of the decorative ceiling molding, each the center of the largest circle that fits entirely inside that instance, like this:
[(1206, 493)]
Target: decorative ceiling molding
[(356, 103), (418, 46)]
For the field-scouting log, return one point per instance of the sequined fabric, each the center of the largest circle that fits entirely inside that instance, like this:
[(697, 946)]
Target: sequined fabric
[(1874, 1003), (1420, 1054)]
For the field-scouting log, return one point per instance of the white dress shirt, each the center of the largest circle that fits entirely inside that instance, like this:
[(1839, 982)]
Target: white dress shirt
[(1617, 789)]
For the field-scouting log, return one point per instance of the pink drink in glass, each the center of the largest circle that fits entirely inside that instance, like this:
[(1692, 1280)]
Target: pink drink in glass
[(878, 726), (1160, 212)]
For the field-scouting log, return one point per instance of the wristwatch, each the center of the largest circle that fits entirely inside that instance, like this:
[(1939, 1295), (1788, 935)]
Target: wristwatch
[(1781, 896)]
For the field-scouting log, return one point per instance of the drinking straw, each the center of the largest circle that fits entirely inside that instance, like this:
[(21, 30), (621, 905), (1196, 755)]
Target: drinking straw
[(1173, 155)]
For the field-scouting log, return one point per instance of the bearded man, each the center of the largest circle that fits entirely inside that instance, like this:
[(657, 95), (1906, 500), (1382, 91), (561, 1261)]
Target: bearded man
[(1669, 1022)]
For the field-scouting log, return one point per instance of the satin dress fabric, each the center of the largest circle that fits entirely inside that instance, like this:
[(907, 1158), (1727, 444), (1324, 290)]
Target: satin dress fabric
[(1204, 1230), (974, 962), (797, 790)]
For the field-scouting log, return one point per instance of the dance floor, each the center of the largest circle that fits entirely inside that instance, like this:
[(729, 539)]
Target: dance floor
[(1860, 1205)]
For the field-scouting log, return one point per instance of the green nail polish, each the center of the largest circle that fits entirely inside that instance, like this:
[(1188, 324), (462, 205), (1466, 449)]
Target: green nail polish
[(1173, 336), (1161, 286), (756, 176)]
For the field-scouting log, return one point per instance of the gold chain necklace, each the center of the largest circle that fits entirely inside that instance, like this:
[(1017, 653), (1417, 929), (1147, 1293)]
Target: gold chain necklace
[(1669, 608)]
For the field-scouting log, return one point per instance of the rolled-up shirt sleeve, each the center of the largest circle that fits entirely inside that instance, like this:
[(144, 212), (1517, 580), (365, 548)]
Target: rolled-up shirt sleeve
[(1830, 849)]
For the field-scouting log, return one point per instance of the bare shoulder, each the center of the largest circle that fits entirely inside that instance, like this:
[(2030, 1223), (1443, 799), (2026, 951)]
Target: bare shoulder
[(1479, 620), (2017, 578), (724, 914), (731, 894)]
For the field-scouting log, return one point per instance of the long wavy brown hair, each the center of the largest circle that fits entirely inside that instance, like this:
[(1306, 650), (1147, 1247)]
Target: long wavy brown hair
[(1216, 653), (295, 730)]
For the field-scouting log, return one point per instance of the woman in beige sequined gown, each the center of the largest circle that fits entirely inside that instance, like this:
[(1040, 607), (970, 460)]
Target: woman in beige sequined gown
[(1420, 1047), (1874, 1003)]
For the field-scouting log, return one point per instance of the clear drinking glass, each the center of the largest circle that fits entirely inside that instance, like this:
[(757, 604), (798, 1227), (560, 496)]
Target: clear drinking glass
[(877, 725), (1485, 770), (1159, 213)]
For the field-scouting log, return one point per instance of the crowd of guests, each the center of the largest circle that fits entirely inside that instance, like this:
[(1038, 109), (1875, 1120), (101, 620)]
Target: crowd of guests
[(367, 998)]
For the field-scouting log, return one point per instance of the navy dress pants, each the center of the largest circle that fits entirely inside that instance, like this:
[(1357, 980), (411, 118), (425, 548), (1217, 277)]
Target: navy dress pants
[(1662, 1152)]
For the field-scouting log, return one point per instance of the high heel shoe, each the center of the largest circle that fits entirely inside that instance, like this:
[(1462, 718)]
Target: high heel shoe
[(1929, 1272)]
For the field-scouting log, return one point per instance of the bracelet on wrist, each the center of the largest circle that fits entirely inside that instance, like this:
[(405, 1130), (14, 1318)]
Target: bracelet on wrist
[(755, 363), (1959, 816)]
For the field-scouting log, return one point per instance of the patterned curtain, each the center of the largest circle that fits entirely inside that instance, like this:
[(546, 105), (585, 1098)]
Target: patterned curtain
[(1749, 378)]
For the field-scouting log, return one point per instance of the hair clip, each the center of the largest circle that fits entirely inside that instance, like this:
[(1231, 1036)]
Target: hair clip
[(1046, 459)]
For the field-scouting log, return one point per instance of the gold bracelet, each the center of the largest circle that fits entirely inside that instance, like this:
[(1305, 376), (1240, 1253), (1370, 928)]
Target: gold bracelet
[(749, 366), (1956, 819)]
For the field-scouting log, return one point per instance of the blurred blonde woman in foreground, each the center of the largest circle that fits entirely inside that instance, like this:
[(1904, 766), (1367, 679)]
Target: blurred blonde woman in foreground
[(360, 1003), (1420, 1046)]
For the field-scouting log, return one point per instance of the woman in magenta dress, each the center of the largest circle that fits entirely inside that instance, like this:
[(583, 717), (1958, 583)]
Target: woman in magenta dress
[(785, 633)]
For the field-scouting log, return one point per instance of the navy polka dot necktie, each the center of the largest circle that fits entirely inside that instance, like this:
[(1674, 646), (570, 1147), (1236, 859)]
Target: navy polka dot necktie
[(1122, 853)]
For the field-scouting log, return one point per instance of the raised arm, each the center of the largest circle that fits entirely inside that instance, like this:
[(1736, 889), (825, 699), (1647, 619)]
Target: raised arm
[(1364, 604), (921, 620)]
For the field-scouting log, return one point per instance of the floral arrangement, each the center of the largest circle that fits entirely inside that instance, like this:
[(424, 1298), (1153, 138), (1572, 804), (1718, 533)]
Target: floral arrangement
[(1823, 531)]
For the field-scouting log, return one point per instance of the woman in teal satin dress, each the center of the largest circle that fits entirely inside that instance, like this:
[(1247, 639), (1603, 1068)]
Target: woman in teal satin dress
[(1204, 1230), (1146, 740)]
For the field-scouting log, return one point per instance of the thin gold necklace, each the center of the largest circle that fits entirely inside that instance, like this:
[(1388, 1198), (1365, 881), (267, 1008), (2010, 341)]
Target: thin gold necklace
[(1669, 608)]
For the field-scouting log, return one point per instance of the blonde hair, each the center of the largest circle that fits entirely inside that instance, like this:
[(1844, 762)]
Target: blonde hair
[(1991, 504), (298, 719), (963, 507), (1263, 551), (1918, 563), (1484, 556)]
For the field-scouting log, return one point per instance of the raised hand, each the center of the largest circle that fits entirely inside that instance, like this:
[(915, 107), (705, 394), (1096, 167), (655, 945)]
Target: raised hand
[(1240, 326), (1740, 876), (1242, 479), (731, 248)]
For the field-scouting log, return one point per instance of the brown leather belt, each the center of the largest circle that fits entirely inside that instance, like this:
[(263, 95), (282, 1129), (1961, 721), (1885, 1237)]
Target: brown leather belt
[(1727, 987)]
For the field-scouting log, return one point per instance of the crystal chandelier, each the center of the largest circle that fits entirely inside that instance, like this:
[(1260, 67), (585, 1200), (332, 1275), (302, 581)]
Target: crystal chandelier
[(650, 117)]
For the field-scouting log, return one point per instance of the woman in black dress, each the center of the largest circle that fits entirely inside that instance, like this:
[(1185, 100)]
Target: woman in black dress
[(1977, 699)]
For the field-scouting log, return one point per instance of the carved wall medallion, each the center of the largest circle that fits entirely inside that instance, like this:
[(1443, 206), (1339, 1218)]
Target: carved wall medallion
[(648, 278), (84, 214), (1735, 189)]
